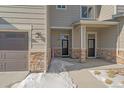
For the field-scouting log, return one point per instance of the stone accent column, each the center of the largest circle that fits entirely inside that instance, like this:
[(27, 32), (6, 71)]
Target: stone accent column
[(37, 61), (83, 43)]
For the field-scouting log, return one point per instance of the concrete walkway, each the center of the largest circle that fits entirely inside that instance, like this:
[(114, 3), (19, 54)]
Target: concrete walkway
[(9, 78), (82, 77)]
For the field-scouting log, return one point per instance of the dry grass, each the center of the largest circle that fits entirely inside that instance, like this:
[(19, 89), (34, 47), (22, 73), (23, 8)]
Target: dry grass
[(112, 73), (108, 81), (122, 82), (97, 72)]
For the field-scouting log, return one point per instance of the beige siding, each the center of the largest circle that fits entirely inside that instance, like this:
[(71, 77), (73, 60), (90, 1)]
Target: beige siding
[(56, 40), (59, 17), (35, 16), (121, 34), (106, 12), (76, 38), (109, 38), (98, 31), (106, 37)]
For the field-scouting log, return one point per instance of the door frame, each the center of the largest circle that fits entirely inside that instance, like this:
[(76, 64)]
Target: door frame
[(95, 33), (67, 48), (61, 44)]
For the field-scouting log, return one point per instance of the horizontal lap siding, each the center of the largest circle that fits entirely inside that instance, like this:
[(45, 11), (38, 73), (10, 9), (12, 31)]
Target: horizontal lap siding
[(33, 15), (64, 17), (106, 12), (120, 8)]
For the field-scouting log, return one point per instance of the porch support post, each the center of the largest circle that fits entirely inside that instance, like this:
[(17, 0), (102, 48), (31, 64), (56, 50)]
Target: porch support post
[(83, 43)]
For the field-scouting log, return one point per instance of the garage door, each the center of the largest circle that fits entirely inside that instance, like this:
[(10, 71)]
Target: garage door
[(13, 51)]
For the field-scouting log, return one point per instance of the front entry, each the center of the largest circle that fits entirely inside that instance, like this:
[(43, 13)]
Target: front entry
[(64, 47), (91, 45)]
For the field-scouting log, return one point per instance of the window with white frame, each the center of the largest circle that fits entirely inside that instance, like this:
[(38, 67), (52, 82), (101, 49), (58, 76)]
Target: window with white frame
[(86, 11), (61, 7)]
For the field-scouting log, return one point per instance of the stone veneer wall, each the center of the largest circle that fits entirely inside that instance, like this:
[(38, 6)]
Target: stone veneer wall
[(83, 55), (120, 58), (56, 52), (107, 54), (79, 54), (76, 53), (37, 61), (48, 60)]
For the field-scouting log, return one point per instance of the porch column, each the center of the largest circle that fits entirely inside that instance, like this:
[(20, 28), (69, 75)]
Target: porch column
[(83, 43), (76, 45)]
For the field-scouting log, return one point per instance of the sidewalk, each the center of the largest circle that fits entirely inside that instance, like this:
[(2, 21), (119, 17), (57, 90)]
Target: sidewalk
[(9, 78), (84, 79)]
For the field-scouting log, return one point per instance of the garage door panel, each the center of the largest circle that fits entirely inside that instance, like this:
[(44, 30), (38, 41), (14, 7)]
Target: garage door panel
[(17, 55), (13, 51), (16, 66), (1, 66)]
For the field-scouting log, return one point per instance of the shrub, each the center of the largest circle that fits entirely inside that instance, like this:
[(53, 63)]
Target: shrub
[(108, 81), (97, 72)]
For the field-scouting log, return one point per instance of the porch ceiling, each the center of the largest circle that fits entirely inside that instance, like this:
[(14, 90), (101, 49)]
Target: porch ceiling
[(94, 23)]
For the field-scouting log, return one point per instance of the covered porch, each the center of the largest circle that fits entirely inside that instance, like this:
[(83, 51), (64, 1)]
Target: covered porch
[(86, 39), (94, 39)]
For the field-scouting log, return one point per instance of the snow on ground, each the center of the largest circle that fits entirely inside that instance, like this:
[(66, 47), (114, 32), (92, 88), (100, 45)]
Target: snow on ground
[(116, 81), (57, 77)]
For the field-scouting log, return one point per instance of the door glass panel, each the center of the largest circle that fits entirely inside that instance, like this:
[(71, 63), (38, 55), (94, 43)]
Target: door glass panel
[(13, 41), (86, 11), (91, 44), (65, 44)]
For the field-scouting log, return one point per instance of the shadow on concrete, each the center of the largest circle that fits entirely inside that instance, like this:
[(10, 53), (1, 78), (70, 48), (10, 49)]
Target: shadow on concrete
[(74, 64)]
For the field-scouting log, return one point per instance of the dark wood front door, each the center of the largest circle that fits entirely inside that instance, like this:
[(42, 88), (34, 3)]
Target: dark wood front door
[(91, 47), (64, 47)]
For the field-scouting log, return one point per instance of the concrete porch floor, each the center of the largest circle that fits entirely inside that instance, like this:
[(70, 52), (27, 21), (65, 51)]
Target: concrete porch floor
[(82, 77), (90, 64)]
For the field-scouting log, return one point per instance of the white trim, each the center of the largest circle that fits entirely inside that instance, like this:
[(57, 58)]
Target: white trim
[(94, 12), (115, 9), (96, 23), (95, 43), (61, 7), (55, 27), (83, 38), (72, 37)]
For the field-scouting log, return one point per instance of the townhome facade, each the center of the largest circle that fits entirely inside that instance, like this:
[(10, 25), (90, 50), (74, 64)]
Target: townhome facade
[(31, 36)]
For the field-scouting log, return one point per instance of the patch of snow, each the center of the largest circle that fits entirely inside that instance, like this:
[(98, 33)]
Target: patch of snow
[(57, 77), (103, 76)]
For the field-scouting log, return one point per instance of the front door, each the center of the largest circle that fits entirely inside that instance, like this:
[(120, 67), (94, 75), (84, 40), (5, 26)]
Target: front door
[(91, 47), (64, 47), (91, 44)]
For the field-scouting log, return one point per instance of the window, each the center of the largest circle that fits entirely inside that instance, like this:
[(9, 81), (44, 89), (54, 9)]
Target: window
[(86, 12), (15, 35), (60, 7)]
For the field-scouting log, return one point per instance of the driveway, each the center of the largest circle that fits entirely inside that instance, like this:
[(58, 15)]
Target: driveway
[(9, 78)]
